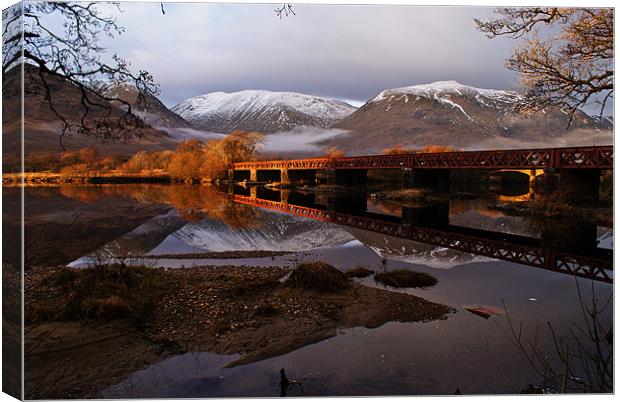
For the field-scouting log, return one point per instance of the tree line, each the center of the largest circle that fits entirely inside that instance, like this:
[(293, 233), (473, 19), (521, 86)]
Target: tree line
[(191, 160)]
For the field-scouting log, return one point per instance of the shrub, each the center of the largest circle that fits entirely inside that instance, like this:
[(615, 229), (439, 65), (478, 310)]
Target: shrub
[(359, 272), (402, 278)]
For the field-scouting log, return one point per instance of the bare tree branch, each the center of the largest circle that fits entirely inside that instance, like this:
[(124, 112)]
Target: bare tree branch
[(571, 67)]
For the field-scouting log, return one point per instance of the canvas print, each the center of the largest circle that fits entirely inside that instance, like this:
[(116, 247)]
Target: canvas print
[(211, 200)]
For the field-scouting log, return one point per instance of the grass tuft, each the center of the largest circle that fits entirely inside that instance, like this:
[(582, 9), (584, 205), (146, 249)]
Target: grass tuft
[(359, 272), (318, 276)]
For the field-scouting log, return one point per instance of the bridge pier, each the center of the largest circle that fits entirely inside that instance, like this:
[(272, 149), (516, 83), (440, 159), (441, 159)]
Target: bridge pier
[(285, 179), (253, 175), (583, 237), (432, 179), (407, 177), (351, 177)]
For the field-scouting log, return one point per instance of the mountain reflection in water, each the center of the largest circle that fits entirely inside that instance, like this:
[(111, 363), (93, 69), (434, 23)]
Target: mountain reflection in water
[(464, 351), (438, 234)]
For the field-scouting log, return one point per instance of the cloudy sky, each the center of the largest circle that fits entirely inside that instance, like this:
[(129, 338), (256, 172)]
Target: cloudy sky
[(346, 52)]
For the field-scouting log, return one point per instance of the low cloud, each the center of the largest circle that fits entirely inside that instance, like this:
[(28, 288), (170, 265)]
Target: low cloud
[(300, 139)]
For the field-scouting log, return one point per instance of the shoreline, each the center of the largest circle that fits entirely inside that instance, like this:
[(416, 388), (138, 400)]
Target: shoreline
[(210, 309)]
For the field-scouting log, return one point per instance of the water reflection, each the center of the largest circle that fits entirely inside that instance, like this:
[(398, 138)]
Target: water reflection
[(206, 219), (571, 249), (465, 351)]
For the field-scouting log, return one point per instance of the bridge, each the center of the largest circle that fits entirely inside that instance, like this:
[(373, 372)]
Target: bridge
[(426, 226), (578, 166)]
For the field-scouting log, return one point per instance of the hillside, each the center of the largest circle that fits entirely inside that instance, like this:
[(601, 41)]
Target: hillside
[(449, 113), (42, 128)]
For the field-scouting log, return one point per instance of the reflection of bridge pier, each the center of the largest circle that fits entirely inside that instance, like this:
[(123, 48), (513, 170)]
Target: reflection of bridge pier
[(583, 237), (432, 215)]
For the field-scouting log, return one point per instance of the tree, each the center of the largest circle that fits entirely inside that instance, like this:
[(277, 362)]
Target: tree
[(71, 52), (186, 161), (240, 146), (571, 66), (433, 149), (89, 156), (333, 152), (397, 150)]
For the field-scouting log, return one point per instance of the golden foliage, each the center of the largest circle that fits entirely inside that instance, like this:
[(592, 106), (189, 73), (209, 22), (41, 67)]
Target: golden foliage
[(571, 66), (431, 149), (397, 150), (333, 152)]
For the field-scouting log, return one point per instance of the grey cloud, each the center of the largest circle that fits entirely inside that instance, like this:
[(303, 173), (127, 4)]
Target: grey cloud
[(346, 52)]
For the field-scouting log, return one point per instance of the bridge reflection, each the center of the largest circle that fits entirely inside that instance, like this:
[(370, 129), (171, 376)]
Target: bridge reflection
[(574, 252)]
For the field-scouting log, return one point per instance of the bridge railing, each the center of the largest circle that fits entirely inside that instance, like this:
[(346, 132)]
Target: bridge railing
[(595, 157)]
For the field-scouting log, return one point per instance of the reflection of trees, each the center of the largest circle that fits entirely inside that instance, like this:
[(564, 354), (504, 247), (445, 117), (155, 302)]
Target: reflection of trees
[(192, 202), (197, 202)]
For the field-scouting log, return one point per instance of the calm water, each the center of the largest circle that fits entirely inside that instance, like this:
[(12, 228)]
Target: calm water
[(465, 351)]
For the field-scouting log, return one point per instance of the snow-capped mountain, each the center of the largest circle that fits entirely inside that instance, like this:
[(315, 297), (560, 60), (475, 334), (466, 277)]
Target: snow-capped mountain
[(457, 115), (263, 111)]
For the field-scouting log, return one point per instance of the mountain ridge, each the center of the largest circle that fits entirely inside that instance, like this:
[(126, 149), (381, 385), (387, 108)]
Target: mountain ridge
[(260, 110)]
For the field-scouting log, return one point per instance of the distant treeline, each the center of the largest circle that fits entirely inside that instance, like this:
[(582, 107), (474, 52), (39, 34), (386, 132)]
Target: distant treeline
[(191, 160)]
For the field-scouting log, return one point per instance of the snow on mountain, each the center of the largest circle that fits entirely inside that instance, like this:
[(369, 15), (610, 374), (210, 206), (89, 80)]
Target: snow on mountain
[(259, 110), (441, 91), (461, 116)]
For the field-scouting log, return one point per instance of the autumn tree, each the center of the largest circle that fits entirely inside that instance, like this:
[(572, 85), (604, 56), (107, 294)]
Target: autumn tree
[(333, 152), (571, 66), (186, 161), (240, 146), (432, 149), (88, 156), (397, 150)]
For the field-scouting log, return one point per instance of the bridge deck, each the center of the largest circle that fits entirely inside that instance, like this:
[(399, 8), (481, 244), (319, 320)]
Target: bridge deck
[(596, 157)]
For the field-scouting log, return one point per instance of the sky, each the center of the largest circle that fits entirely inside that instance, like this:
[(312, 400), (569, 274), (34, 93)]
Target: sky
[(345, 52)]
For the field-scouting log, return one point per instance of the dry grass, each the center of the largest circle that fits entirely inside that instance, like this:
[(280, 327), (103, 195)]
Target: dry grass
[(318, 276), (106, 292), (359, 272), (402, 278)]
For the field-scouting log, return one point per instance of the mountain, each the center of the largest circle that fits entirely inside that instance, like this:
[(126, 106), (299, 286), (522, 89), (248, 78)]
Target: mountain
[(264, 111), (42, 128), (152, 111), (452, 114)]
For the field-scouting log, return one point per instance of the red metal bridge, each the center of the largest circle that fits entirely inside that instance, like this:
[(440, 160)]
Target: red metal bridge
[(596, 265), (596, 157)]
